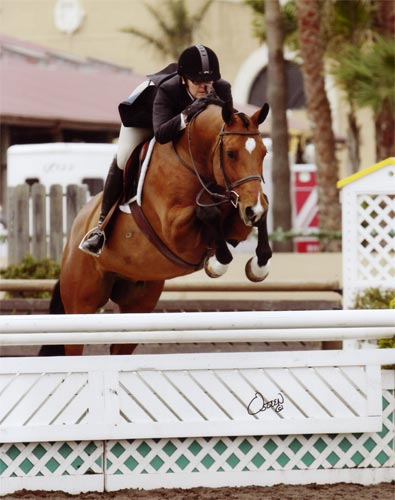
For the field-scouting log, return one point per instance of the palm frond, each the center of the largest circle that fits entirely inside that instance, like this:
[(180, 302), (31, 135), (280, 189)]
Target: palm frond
[(367, 74), (175, 26), (346, 22)]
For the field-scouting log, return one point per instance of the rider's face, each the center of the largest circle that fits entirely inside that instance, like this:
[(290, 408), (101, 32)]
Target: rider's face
[(199, 89)]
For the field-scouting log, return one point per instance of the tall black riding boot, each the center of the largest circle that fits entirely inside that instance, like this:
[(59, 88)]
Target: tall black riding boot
[(111, 192)]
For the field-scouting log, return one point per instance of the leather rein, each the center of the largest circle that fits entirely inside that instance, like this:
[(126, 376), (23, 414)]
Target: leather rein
[(229, 195)]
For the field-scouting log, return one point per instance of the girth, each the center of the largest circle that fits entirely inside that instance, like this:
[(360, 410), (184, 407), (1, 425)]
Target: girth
[(148, 231)]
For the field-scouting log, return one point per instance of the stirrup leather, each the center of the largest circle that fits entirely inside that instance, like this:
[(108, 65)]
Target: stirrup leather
[(91, 231)]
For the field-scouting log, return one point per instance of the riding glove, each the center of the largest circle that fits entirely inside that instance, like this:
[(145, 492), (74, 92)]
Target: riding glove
[(195, 108)]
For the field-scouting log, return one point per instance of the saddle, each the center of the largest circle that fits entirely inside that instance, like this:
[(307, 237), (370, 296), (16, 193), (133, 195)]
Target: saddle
[(131, 175)]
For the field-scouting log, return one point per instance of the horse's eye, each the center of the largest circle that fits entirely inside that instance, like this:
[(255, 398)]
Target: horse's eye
[(231, 154)]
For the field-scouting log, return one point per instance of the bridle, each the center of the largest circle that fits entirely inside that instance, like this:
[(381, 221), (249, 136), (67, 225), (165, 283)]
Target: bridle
[(229, 196)]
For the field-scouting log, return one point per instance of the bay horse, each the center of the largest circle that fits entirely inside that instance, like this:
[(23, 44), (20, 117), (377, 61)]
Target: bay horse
[(200, 193)]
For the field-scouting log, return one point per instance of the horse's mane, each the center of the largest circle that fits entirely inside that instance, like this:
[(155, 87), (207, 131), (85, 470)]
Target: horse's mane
[(216, 101)]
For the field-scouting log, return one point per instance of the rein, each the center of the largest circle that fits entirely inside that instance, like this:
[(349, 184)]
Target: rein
[(229, 195)]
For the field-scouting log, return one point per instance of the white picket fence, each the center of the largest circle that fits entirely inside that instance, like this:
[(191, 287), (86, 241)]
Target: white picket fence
[(209, 419)]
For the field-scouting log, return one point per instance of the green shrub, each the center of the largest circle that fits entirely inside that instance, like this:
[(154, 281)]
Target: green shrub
[(374, 298), (31, 268)]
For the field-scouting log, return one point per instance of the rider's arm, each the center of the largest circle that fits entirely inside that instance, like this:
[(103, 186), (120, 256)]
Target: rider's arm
[(167, 117)]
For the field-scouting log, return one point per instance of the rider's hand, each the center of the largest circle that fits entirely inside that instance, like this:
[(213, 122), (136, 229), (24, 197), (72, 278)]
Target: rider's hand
[(194, 108)]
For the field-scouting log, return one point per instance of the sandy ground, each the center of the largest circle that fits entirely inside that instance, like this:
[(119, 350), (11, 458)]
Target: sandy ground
[(341, 491)]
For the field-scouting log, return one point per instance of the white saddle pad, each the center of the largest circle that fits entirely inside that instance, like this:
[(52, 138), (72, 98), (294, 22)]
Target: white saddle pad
[(138, 197)]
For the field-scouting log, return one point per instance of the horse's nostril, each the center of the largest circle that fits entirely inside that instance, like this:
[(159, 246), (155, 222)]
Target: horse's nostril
[(250, 213)]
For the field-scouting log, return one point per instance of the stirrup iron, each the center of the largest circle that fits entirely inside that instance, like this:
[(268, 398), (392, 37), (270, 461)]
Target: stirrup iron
[(93, 230)]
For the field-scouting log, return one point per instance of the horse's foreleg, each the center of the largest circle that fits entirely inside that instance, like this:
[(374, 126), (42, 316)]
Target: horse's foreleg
[(217, 264), (257, 268)]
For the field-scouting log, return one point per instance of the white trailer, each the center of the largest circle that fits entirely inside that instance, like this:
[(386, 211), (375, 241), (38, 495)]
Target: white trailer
[(60, 163)]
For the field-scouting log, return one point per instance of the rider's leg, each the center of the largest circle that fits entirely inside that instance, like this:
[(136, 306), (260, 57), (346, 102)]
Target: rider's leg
[(129, 138), (111, 192)]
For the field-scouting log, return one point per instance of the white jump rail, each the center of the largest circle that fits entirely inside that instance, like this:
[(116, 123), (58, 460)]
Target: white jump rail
[(257, 326)]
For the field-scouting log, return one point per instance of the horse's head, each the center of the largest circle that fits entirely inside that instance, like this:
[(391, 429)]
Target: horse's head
[(238, 160)]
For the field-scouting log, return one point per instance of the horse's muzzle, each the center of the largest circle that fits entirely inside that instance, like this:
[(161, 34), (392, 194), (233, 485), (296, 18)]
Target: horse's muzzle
[(252, 214)]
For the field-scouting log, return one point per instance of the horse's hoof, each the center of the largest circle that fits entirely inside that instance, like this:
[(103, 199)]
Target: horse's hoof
[(254, 272), (214, 268)]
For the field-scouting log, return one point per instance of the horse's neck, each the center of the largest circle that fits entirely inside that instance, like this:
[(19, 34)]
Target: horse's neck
[(201, 140)]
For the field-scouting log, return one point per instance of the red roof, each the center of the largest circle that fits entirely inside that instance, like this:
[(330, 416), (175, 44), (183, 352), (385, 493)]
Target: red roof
[(53, 87)]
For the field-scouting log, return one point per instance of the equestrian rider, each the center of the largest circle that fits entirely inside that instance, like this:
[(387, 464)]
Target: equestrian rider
[(161, 106)]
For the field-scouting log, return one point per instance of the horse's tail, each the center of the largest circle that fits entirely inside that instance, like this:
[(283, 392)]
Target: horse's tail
[(56, 304), (55, 307)]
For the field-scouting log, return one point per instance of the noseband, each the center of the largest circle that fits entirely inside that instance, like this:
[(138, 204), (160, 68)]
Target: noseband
[(229, 195)]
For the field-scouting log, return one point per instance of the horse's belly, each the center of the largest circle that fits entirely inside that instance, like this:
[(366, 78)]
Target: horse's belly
[(144, 265), (130, 253)]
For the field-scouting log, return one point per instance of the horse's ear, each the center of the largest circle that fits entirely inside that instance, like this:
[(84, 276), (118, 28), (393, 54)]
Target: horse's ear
[(227, 112), (260, 115)]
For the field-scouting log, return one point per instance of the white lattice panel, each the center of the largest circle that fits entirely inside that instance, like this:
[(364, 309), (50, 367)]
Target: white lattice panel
[(51, 459), (189, 395), (369, 232), (376, 239)]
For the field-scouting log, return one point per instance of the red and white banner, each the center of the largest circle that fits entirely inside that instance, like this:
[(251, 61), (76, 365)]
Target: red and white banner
[(304, 197)]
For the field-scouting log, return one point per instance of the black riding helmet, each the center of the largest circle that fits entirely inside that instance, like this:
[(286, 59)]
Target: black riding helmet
[(199, 64)]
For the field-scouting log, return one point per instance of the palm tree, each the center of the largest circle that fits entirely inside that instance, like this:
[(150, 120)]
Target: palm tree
[(176, 27), (277, 98), (271, 25), (363, 65), (346, 24), (385, 18), (289, 23), (368, 75), (312, 52), (384, 118)]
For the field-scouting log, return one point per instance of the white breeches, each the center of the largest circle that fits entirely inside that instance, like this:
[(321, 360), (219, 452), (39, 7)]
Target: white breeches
[(129, 139)]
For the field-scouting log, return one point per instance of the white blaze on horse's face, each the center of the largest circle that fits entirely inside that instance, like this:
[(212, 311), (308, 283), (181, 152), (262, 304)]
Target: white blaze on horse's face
[(250, 145)]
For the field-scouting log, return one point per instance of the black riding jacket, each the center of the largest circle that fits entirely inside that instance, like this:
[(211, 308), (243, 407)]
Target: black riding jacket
[(159, 106), (170, 101)]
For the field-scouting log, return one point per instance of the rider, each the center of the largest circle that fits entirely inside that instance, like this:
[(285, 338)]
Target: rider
[(174, 103)]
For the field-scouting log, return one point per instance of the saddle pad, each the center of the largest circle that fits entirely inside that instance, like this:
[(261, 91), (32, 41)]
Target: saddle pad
[(125, 206)]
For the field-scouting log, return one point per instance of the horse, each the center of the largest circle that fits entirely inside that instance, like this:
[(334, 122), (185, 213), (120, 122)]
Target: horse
[(201, 193)]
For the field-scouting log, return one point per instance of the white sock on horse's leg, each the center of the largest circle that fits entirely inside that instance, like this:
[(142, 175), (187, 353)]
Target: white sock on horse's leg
[(214, 268), (255, 272)]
